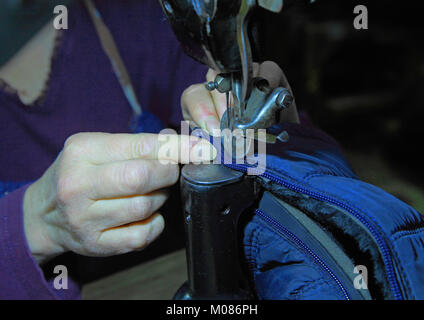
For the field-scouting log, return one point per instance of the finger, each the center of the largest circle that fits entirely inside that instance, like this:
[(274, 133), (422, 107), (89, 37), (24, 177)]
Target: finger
[(198, 102), (120, 211), (255, 69), (271, 72), (199, 111), (101, 148), (133, 236), (274, 74), (220, 99), (131, 177)]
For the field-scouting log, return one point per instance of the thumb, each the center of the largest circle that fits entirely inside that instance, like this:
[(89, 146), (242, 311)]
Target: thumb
[(172, 148)]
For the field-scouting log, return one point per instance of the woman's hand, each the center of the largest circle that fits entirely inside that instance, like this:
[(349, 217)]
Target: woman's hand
[(206, 108), (101, 195)]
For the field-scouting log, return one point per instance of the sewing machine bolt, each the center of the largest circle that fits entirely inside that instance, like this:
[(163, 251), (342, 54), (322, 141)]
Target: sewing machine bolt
[(283, 136), (221, 83), (211, 85), (284, 99)]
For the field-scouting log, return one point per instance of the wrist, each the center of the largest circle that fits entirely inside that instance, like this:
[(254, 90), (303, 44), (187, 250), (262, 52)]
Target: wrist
[(37, 232)]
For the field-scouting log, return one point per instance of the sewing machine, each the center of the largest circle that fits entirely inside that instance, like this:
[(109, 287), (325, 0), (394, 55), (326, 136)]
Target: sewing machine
[(224, 35)]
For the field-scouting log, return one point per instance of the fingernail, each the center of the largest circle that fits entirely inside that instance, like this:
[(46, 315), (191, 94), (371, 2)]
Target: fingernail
[(212, 124), (216, 133), (203, 151), (156, 229), (193, 141)]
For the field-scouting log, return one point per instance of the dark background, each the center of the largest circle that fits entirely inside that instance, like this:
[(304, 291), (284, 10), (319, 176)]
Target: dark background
[(19, 20), (364, 87)]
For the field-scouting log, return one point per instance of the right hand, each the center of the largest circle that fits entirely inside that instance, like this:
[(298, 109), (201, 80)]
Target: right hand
[(206, 108), (101, 195)]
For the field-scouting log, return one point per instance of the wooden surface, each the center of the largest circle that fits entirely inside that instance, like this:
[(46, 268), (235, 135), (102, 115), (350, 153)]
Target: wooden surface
[(155, 280)]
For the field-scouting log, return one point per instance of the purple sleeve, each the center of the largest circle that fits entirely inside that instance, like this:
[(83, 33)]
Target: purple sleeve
[(20, 275)]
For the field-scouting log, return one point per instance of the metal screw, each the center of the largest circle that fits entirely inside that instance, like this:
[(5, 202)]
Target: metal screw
[(284, 99), (211, 85), (222, 83), (283, 136)]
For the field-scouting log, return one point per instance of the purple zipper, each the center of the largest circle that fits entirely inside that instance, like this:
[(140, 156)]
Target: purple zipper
[(305, 248)]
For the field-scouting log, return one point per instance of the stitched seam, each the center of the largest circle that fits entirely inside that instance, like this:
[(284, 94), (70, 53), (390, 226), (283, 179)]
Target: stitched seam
[(249, 247), (254, 266), (313, 175), (377, 225), (324, 275), (405, 233), (255, 248), (299, 293)]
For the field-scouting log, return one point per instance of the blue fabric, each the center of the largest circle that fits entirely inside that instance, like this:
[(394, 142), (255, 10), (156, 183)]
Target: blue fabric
[(147, 122), (280, 270), (311, 161), (312, 167), (6, 187)]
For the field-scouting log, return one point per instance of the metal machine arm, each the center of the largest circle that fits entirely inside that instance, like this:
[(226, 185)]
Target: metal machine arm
[(221, 34)]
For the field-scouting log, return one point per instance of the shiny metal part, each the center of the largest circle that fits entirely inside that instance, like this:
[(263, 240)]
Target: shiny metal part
[(284, 99), (218, 34), (283, 136), (246, 7), (255, 105), (271, 5), (262, 109), (222, 83), (205, 9)]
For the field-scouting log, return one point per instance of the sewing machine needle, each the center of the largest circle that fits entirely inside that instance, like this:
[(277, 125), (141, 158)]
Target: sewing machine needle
[(227, 95)]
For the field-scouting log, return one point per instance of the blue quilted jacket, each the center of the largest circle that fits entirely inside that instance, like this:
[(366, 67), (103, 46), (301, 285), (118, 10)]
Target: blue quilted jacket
[(321, 233)]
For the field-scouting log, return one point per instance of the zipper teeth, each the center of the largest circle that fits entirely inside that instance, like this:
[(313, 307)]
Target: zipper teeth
[(299, 242), (380, 241)]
